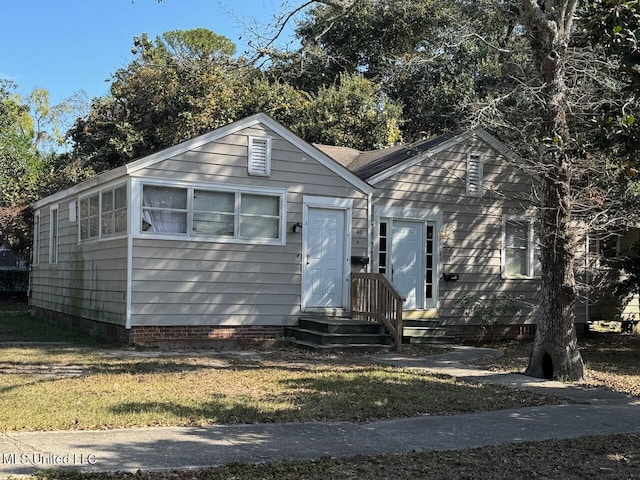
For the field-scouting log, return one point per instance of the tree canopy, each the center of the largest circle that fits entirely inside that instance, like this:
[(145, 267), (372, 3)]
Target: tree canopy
[(29, 167), (186, 83)]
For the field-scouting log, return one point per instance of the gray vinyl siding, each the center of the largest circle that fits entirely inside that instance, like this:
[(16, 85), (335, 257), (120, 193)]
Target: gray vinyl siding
[(470, 243), (188, 282), (89, 280)]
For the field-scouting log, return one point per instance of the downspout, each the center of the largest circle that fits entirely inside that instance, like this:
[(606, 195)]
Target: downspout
[(132, 197), (127, 322), (369, 231)]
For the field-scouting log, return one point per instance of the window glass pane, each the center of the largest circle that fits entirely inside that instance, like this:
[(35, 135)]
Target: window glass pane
[(516, 234), (93, 227), (164, 221), (94, 205), (164, 197), (121, 221), (107, 225), (214, 201), (121, 197), (516, 262), (107, 201), (84, 208), (260, 205), (259, 227), (213, 224), (84, 229)]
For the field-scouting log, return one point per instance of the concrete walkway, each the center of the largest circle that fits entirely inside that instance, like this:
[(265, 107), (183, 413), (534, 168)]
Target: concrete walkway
[(598, 412)]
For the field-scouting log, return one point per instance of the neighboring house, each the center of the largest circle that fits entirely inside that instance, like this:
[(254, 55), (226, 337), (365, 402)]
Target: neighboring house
[(234, 234), (603, 305), (14, 276), (452, 220), (10, 261)]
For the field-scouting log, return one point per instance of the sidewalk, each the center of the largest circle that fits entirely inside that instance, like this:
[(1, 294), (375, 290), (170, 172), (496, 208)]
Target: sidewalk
[(598, 412)]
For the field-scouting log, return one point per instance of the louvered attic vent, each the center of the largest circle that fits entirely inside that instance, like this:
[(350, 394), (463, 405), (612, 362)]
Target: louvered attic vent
[(474, 175), (259, 156)]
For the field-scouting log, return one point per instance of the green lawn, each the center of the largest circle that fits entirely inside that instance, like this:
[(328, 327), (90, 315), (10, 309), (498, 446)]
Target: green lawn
[(60, 386)]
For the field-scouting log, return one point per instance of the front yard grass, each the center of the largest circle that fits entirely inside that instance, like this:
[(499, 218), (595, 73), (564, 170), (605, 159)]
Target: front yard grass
[(55, 386)]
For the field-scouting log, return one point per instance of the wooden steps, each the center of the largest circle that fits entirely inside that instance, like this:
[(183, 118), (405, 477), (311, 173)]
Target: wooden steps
[(425, 331), (339, 334)]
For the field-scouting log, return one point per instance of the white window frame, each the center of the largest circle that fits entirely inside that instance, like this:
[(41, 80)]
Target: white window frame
[(36, 239), (114, 211), (101, 236), (531, 247), (475, 160), (54, 233), (238, 190), (80, 218), (252, 169)]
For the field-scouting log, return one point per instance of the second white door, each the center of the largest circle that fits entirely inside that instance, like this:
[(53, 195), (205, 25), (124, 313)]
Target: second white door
[(407, 261)]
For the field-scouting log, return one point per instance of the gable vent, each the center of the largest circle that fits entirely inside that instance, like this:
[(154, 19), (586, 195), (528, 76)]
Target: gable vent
[(474, 175), (259, 162)]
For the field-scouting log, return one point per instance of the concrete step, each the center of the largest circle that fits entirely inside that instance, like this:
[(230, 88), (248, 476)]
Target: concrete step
[(339, 325), (421, 323), (439, 340), (325, 338), (423, 331)]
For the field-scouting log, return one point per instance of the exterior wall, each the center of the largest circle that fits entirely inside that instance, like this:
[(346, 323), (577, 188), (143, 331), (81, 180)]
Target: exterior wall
[(604, 305), (470, 238), (186, 282), (89, 279)]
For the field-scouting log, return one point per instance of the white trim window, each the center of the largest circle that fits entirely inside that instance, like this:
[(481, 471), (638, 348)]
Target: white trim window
[(90, 217), (104, 214), (36, 239), (520, 249), (164, 209), (474, 175), (113, 211), (54, 220), (259, 156), (213, 213)]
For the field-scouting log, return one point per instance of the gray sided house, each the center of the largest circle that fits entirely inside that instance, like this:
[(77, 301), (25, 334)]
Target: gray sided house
[(203, 240), (238, 232), (453, 228)]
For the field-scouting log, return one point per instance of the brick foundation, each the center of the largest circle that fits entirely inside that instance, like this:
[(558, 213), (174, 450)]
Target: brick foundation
[(213, 336), (174, 336), (476, 333)]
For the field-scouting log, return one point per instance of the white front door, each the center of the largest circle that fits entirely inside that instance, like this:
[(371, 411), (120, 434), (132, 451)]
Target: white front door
[(407, 261), (323, 259)]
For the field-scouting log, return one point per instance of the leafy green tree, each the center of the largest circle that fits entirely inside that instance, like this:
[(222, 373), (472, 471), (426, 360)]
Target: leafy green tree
[(434, 58), (29, 168), (353, 113), (163, 98), (198, 44)]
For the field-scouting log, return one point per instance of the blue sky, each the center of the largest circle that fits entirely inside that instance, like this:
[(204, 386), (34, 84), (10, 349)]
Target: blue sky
[(69, 45)]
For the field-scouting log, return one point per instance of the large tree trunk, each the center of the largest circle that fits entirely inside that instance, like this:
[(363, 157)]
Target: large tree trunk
[(555, 353)]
